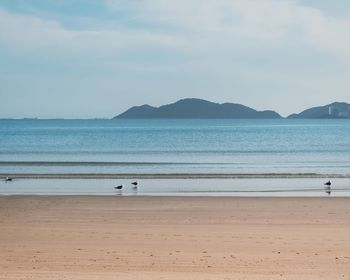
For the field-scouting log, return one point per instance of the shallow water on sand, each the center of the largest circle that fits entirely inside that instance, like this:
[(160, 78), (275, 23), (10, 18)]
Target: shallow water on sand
[(178, 187)]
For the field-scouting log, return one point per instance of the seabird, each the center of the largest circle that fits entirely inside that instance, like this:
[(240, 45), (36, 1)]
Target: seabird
[(136, 184), (119, 187), (328, 185), (8, 179)]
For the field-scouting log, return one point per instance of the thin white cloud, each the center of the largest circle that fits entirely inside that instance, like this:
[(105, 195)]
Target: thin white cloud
[(199, 25), (26, 33), (261, 20)]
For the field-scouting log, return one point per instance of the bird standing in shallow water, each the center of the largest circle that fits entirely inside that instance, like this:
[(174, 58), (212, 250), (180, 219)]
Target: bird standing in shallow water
[(8, 179), (328, 187), (328, 184), (136, 184), (120, 187)]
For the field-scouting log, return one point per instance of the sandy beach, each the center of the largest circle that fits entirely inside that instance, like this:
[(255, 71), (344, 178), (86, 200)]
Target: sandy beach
[(87, 237)]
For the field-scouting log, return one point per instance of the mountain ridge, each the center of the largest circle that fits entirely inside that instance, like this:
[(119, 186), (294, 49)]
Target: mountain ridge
[(194, 108), (335, 110)]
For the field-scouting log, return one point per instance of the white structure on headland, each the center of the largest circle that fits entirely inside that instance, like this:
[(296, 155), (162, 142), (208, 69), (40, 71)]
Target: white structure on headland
[(329, 110), (342, 112), (339, 112)]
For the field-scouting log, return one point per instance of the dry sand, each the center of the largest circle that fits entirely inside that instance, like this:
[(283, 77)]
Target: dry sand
[(77, 237)]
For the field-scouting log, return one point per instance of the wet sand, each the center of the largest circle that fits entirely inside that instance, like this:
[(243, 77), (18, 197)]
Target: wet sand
[(91, 237)]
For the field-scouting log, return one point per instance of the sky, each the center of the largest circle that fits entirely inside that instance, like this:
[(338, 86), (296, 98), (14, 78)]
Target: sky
[(97, 58)]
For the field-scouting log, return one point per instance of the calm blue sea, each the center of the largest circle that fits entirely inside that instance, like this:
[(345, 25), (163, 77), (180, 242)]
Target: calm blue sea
[(175, 146)]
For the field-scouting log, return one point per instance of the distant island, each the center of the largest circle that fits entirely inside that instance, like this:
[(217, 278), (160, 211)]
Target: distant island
[(193, 108), (336, 110)]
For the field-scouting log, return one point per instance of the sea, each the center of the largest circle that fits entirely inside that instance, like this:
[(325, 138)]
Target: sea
[(263, 156)]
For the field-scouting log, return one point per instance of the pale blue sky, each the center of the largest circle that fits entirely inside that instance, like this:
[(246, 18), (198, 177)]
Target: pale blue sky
[(96, 58)]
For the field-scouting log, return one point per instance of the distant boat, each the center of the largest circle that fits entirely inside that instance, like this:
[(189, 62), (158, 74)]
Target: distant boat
[(8, 179)]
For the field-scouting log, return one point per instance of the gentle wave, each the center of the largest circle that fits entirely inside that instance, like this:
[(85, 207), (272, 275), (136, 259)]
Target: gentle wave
[(169, 151), (93, 163), (150, 164), (171, 175)]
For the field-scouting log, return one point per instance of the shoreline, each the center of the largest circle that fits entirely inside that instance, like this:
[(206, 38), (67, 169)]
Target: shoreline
[(177, 186)]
